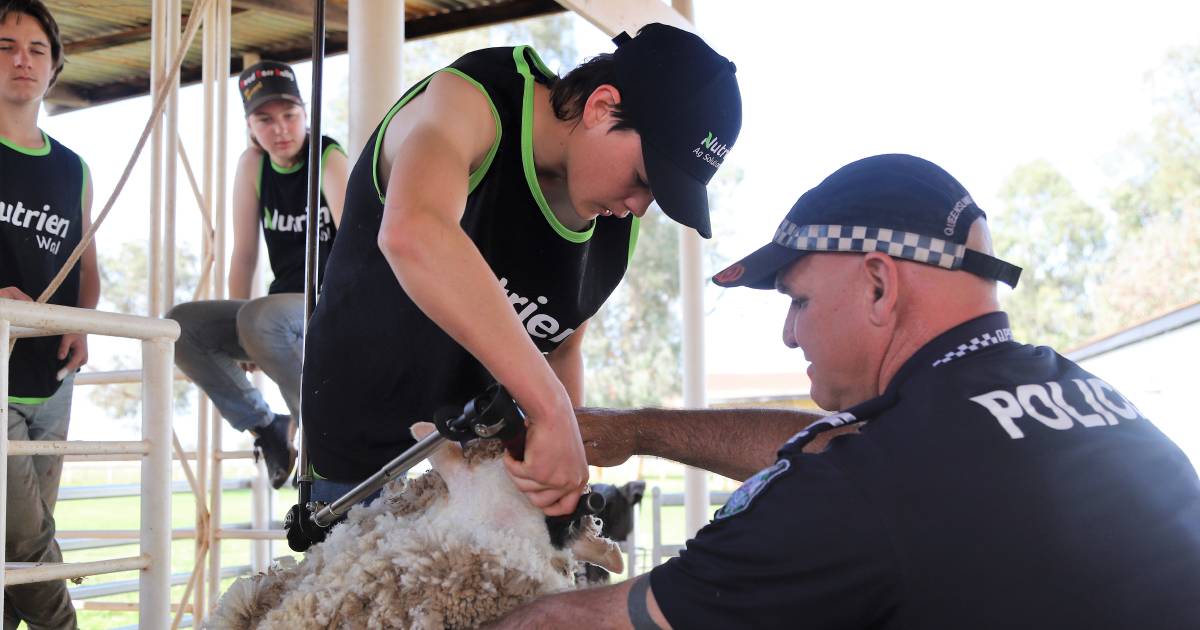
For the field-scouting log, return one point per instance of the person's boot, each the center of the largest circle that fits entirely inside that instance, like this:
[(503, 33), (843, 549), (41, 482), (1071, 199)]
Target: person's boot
[(276, 449)]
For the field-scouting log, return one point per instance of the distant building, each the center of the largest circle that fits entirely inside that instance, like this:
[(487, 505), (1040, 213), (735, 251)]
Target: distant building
[(775, 390), (1154, 364)]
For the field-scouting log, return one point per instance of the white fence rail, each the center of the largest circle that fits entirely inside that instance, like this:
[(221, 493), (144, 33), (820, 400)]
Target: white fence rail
[(20, 319), (641, 559)]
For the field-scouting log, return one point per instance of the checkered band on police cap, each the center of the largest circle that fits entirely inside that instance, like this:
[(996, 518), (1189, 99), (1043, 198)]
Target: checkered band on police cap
[(863, 239), (896, 204)]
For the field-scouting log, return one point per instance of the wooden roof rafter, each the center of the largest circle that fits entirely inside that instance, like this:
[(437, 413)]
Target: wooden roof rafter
[(107, 42)]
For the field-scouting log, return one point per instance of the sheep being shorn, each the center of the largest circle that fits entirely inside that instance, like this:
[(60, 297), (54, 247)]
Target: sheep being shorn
[(454, 548)]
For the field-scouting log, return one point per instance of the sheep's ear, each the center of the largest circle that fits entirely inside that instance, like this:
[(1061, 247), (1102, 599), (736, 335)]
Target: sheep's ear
[(420, 430), (445, 459), (634, 490), (602, 552)]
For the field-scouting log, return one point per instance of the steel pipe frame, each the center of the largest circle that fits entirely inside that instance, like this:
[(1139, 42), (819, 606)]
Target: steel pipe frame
[(124, 606), (116, 377), (188, 455), (221, 20), (691, 286), (183, 533), (375, 45), (251, 534), (260, 519), (20, 332), (158, 352), (311, 243), (158, 63), (158, 361), (158, 365), (203, 455), (5, 328), (64, 319), (131, 535), (170, 153), (27, 573), (76, 447)]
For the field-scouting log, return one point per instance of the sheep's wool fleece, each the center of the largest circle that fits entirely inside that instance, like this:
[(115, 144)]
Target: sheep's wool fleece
[(451, 550)]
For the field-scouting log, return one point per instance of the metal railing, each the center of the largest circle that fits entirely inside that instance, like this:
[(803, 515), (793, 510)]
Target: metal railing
[(26, 319), (660, 551), (207, 534)]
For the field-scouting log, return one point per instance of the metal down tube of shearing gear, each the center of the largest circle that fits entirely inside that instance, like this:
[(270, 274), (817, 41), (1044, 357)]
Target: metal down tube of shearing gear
[(311, 238), (402, 464), (492, 414)]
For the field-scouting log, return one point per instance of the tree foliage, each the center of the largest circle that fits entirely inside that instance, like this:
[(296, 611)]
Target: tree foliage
[(1060, 242), (1166, 178), (1090, 273), (123, 289), (124, 278), (631, 348), (1156, 266), (1154, 271)]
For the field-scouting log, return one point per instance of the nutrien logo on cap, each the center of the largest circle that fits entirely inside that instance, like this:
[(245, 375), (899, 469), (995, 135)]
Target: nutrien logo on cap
[(711, 150)]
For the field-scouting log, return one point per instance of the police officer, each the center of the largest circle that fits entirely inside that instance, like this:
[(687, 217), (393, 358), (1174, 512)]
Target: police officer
[(969, 480), (45, 201)]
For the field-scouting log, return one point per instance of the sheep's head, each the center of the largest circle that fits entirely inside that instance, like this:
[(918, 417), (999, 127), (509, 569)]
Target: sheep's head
[(476, 476)]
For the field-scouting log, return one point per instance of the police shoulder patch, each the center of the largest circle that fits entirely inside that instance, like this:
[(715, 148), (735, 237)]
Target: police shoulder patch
[(741, 498)]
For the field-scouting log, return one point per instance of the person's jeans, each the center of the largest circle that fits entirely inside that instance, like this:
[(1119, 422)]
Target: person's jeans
[(32, 486), (216, 334), (328, 491)]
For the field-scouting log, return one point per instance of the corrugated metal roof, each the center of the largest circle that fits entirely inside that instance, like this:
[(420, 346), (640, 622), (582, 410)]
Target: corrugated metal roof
[(107, 42)]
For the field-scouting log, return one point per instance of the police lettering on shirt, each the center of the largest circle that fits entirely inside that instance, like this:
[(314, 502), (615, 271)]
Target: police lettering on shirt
[(1058, 405)]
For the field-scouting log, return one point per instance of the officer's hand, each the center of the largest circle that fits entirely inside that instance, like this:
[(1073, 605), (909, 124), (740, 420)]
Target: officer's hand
[(13, 293), (73, 347), (554, 472), (608, 438)]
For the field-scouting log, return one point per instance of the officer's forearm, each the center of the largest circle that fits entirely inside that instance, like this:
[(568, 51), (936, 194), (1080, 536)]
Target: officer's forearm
[(735, 443)]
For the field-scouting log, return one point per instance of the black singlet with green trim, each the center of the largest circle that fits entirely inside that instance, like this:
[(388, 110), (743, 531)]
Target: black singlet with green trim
[(41, 222), (374, 363), (283, 213)]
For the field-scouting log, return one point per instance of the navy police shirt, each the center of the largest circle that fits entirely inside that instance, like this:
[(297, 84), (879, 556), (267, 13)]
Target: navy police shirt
[(993, 485)]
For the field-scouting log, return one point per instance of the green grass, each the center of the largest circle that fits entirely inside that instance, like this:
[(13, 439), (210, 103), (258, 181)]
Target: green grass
[(124, 513)]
